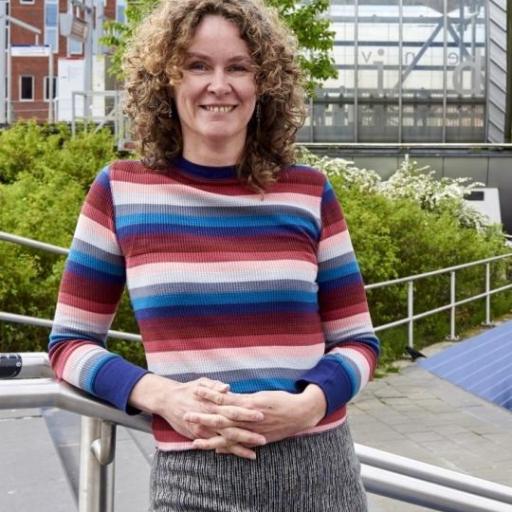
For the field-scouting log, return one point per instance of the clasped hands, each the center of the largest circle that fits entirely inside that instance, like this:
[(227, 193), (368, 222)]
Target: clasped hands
[(236, 423)]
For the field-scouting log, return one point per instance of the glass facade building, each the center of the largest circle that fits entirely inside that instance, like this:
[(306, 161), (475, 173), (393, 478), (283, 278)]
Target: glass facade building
[(411, 71)]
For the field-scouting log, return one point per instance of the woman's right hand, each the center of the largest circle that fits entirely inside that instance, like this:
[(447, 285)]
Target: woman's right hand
[(173, 400)]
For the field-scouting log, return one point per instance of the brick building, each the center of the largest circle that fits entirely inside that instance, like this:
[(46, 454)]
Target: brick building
[(40, 62)]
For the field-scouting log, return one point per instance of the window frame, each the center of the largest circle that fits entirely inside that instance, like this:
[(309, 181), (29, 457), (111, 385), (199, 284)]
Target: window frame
[(20, 90), (46, 83), (51, 27)]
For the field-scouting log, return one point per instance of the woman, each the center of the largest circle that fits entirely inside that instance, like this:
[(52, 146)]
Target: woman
[(240, 271)]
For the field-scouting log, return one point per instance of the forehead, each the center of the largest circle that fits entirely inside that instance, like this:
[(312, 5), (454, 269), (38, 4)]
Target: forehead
[(215, 34)]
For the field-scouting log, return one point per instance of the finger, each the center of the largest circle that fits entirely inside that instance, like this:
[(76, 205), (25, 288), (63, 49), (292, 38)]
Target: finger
[(213, 443), (201, 432), (236, 414), (215, 385), (215, 421), (239, 450), (236, 435), (210, 394)]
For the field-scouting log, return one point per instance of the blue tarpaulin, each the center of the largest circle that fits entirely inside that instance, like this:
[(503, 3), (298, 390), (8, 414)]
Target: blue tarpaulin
[(481, 365)]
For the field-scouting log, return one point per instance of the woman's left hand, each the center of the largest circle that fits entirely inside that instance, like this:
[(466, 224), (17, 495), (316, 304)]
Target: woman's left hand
[(285, 414)]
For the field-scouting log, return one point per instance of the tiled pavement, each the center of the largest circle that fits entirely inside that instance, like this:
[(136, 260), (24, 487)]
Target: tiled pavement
[(415, 414), (411, 413)]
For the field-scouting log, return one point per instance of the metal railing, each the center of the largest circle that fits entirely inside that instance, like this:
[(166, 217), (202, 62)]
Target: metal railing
[(410, 280), (452, 306), (383, 473)]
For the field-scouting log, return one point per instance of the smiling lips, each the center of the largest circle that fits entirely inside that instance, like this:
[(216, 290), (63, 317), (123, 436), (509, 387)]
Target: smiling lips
[(219, 108)]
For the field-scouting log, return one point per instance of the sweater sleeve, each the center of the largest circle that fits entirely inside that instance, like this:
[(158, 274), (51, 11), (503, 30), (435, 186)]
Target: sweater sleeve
[(90, 290), (352, 348)]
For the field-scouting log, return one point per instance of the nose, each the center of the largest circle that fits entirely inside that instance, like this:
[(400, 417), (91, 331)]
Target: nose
[(219, 83)]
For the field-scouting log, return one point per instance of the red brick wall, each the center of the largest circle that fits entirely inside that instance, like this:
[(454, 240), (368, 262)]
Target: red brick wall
[(36, 66)]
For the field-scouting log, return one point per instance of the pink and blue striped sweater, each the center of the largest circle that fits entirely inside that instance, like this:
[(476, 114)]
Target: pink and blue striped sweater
[(261, 292)]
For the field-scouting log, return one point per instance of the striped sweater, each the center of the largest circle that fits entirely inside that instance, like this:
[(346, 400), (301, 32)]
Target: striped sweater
[(259, 291)]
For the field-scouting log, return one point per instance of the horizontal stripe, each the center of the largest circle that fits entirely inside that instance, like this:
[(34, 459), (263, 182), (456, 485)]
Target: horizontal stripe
[(231, 359), (241, 271), (209, 288), (88, 230), (207, 299), (204, 310)]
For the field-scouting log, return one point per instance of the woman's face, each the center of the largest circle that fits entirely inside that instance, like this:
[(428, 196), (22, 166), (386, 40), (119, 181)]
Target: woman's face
[(217, 95)]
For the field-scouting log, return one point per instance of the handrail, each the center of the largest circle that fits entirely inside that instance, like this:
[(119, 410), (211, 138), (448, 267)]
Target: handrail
[(410, 280), (42, 322), (431, 273), (383, 473)]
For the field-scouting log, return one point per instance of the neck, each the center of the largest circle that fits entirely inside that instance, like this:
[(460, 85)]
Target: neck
[(208, 153)]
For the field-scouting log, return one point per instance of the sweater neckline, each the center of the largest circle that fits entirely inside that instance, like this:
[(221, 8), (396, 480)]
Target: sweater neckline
[(205, 172)]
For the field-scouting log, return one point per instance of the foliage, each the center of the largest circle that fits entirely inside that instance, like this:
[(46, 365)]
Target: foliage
[(44, 175), (307, 20)]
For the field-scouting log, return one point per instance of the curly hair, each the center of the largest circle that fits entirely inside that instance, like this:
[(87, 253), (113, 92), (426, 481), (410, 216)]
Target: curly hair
[(154, 60)]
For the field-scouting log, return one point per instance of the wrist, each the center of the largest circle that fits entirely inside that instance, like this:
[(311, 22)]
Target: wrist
[(315, 404), (151, 392)]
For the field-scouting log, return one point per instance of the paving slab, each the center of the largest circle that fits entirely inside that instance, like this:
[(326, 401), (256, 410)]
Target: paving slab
[(31, 476)]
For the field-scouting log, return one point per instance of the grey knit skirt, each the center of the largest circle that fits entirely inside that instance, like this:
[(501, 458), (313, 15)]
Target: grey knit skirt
[(314, 473)]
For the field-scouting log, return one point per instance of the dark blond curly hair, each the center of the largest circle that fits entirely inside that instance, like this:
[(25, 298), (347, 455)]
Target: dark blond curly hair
[(154, 60)]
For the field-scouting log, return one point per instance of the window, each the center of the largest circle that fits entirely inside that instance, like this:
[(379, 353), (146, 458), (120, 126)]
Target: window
[(75, 47), (47, 88), (26, 88), (120, 8), (28, 2), (51, 20)]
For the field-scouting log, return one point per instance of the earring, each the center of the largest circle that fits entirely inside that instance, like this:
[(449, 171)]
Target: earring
[(169, 112)]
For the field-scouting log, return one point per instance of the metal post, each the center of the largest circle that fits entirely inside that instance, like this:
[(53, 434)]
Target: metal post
[(88, 48), (410, 312), (488, 296), (3, 62), (356, 71), (73, 114), (50, 87), (452, 336), (9, 76), (400, 70), (445, 67), (97, 449)]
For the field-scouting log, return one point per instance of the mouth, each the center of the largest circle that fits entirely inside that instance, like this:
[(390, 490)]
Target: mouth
[(218, 108)]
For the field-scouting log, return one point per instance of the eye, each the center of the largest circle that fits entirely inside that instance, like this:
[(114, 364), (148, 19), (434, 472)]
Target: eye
[(197, 66), (239, 68)]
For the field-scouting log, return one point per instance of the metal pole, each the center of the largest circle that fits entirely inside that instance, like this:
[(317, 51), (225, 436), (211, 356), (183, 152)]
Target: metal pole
[(88, 47), (356, 71), (410, 312), (445, 67), (97, 448), (9, 77), (452, 309), (73, 114), (488, 296), (3, 63), (400, 64), (50, 87)]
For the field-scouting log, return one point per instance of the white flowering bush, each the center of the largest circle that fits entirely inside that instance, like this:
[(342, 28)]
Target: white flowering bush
[(409, 182)]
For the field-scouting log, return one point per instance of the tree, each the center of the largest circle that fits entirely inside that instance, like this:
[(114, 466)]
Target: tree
[(307, 20)]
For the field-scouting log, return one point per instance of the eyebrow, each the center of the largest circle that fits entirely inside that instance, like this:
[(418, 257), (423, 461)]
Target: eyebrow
[(204, 56)]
